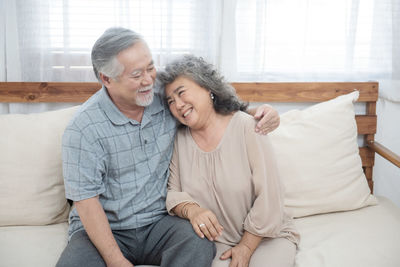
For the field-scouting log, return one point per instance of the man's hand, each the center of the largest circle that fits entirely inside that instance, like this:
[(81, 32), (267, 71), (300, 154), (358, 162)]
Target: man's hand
[(268, 119), (240, 255)]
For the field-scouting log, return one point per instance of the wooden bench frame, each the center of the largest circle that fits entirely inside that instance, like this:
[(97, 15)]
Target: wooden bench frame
[(311, 92)]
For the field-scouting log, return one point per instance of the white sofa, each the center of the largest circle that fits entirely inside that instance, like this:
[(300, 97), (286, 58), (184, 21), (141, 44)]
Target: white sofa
[(33, 207), (340, 223)]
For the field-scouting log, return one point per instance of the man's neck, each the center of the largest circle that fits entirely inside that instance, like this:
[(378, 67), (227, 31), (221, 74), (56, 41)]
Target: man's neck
[(130, 110), (135, 113)]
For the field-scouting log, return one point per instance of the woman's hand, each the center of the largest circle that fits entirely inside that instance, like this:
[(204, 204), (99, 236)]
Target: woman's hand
[(240, 255), (204, 222)]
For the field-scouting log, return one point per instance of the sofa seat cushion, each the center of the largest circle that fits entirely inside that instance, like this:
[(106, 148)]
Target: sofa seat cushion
[(367, 237), (32, 245)]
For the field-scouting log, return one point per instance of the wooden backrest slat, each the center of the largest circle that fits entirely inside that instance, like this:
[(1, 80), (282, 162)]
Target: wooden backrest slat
[(366, 124), (15, 92), (304, 92), (252, 92)]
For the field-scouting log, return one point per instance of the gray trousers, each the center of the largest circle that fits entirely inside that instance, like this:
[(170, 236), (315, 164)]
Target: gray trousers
[(169, 242)]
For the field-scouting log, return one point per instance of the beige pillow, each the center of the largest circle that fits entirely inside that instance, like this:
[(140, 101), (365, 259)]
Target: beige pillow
[(31, 181), (318, 158)]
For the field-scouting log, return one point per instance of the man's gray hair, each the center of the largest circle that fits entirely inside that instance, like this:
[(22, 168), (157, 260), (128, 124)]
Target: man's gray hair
[(107, 47), (207, 76)]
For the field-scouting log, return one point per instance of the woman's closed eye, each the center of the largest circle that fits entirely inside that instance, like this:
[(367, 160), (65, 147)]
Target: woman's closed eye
[(170, 102)]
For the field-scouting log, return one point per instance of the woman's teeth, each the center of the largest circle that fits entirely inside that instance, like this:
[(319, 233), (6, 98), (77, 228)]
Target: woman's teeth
[(187, 113)]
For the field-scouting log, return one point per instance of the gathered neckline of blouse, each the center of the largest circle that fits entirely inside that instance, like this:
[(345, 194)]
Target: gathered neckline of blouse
[(220, 142)]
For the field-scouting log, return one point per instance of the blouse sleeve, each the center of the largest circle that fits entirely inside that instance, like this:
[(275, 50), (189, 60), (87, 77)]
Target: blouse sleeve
[(175, 195), (266, 217)]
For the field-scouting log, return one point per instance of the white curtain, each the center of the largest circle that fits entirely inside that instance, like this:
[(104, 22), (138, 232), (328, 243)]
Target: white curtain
[(316, 39), (255, 40), (249, 40), (51, 40)]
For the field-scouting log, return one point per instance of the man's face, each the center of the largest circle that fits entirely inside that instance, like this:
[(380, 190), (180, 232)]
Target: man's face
[(134, 87)]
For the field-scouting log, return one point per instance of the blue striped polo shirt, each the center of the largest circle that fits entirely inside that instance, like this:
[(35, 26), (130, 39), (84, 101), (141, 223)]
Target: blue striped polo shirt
[(122, 161)]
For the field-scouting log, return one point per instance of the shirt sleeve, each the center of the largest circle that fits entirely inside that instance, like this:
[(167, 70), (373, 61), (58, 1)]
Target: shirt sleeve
[(266, 217), (175, 195), (83, 168)]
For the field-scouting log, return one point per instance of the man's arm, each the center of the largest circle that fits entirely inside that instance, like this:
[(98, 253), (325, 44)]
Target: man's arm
[(98, 229), (268, 118)]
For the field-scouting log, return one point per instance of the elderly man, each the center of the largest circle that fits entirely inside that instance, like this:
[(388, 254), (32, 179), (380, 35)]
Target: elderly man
[(116, 153)]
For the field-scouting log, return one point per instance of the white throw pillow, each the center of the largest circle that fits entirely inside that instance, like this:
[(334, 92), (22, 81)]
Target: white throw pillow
[(31, 181), (318, 158)]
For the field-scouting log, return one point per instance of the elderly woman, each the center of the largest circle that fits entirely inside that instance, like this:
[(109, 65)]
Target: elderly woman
[(223, 177)]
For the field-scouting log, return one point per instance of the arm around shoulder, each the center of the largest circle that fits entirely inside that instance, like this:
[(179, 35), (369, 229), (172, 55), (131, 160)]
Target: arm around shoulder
[(268, 118)]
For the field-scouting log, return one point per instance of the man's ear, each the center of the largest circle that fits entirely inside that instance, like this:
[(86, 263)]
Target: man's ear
[(105, 79)]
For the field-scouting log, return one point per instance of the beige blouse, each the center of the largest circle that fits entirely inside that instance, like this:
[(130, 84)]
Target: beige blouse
[(238, 181)]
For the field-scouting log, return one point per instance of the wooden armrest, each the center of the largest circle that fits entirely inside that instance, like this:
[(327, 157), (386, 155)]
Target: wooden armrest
[(384, 152)]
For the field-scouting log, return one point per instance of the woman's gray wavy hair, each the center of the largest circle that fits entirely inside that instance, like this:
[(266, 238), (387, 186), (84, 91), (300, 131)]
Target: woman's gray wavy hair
[(108, 46), (207, 76)]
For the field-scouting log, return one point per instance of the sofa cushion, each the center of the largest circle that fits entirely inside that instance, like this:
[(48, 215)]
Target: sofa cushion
[(318, 158), (365, 237), (31, 181), (32, 245)]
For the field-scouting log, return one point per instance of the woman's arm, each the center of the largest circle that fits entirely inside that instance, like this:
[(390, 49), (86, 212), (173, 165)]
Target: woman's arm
[(176, 198), (250, 241), (243, 251), (204, 222), (266, 216)]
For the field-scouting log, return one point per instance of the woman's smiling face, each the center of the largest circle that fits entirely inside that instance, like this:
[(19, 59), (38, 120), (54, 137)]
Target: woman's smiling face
[(190, 103)]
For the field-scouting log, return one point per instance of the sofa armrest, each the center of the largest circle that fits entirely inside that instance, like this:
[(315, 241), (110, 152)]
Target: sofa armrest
[(384, 152)]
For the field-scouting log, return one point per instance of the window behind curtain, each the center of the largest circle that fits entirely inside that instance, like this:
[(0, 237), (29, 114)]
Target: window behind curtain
[(314, 39), (56, 36), (258, 39)]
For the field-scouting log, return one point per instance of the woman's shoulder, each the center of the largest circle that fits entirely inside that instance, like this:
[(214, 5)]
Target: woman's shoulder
[(181, 129), (244, 119), (182, 133)]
